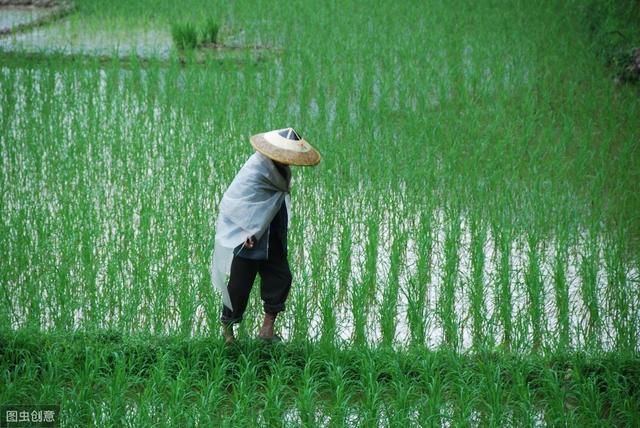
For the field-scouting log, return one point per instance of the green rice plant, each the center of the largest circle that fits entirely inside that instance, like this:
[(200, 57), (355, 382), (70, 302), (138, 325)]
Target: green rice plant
[(188, 373), (503, 295), (417, 288), (371, 257), (587, 393), (244, 392), (274, 395), (211, 396), (476, 292), (341, 391), (184, 35), (359, 313), (210, 31), (307, 394), (344, 259), (562, 290), (494, 394), (535, 290), (317, 291), (399, 408), (446, 299), (432, 401), (589, 291), (360, 296), (388, 309), (329, 329), (371, 390), (618, 298), (522, 399), (558, 397), (300, 300)]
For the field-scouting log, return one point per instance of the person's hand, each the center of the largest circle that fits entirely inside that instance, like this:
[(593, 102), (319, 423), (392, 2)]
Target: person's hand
[(249, 242)]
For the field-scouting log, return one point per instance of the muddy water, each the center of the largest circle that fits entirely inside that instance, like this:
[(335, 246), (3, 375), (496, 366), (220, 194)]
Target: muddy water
[(12, 16), (432, 323), (68, 38), (520, 300), (518, 255)]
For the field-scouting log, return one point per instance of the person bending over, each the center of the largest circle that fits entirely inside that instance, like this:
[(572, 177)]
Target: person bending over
[(251, 229)]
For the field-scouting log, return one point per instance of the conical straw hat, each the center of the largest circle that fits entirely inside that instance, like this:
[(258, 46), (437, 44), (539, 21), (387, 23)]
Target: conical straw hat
[(285, 146)]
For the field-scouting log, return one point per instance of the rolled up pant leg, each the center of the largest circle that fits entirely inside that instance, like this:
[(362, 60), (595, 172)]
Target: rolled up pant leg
[(276, 279), (241, 277)]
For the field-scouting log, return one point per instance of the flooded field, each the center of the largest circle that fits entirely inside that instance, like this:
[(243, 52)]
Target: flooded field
[(57, 30), (422, 272), (13, 16), (467, 251), (65, 37)]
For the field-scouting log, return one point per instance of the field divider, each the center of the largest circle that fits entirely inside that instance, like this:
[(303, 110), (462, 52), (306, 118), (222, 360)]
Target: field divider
[(58, 12)]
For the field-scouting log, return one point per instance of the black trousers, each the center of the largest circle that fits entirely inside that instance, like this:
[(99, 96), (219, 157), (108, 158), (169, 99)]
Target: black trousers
[(275, 283)]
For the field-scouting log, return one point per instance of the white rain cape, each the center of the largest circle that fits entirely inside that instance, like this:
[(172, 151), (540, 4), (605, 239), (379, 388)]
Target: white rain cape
[(247, 208)]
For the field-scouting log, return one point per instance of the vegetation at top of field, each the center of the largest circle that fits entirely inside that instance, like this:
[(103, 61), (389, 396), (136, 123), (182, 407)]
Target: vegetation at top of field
[(210, 30), (615, 30), (187, 36), (184, 35)]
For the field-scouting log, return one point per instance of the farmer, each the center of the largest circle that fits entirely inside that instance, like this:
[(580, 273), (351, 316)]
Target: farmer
[(251, 229)]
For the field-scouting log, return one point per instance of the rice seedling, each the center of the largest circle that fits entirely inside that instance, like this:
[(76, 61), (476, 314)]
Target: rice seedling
[(184, 35), (341, 390), (446, 299), (589, 274), (503, 285), (274, 395), (388, 308), (417, 288), (476, 286), (344, 259), (560, 282), (307, 394), (534, 290), (210, 31)]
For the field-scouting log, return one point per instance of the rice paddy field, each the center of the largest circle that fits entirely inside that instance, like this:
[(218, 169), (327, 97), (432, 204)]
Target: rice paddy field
[(467, 253)]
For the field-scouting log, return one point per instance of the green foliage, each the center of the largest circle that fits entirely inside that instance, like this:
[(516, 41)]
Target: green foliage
[(184, 35), (126, 380), (188, 36), (210, 31), (615, 30)]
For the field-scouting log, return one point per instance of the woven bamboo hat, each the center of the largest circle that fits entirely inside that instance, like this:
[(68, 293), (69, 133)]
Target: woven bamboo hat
[(285, 146)]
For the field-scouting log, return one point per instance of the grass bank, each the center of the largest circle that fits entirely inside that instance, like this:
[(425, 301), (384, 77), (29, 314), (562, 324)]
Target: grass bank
[(105, 377)]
